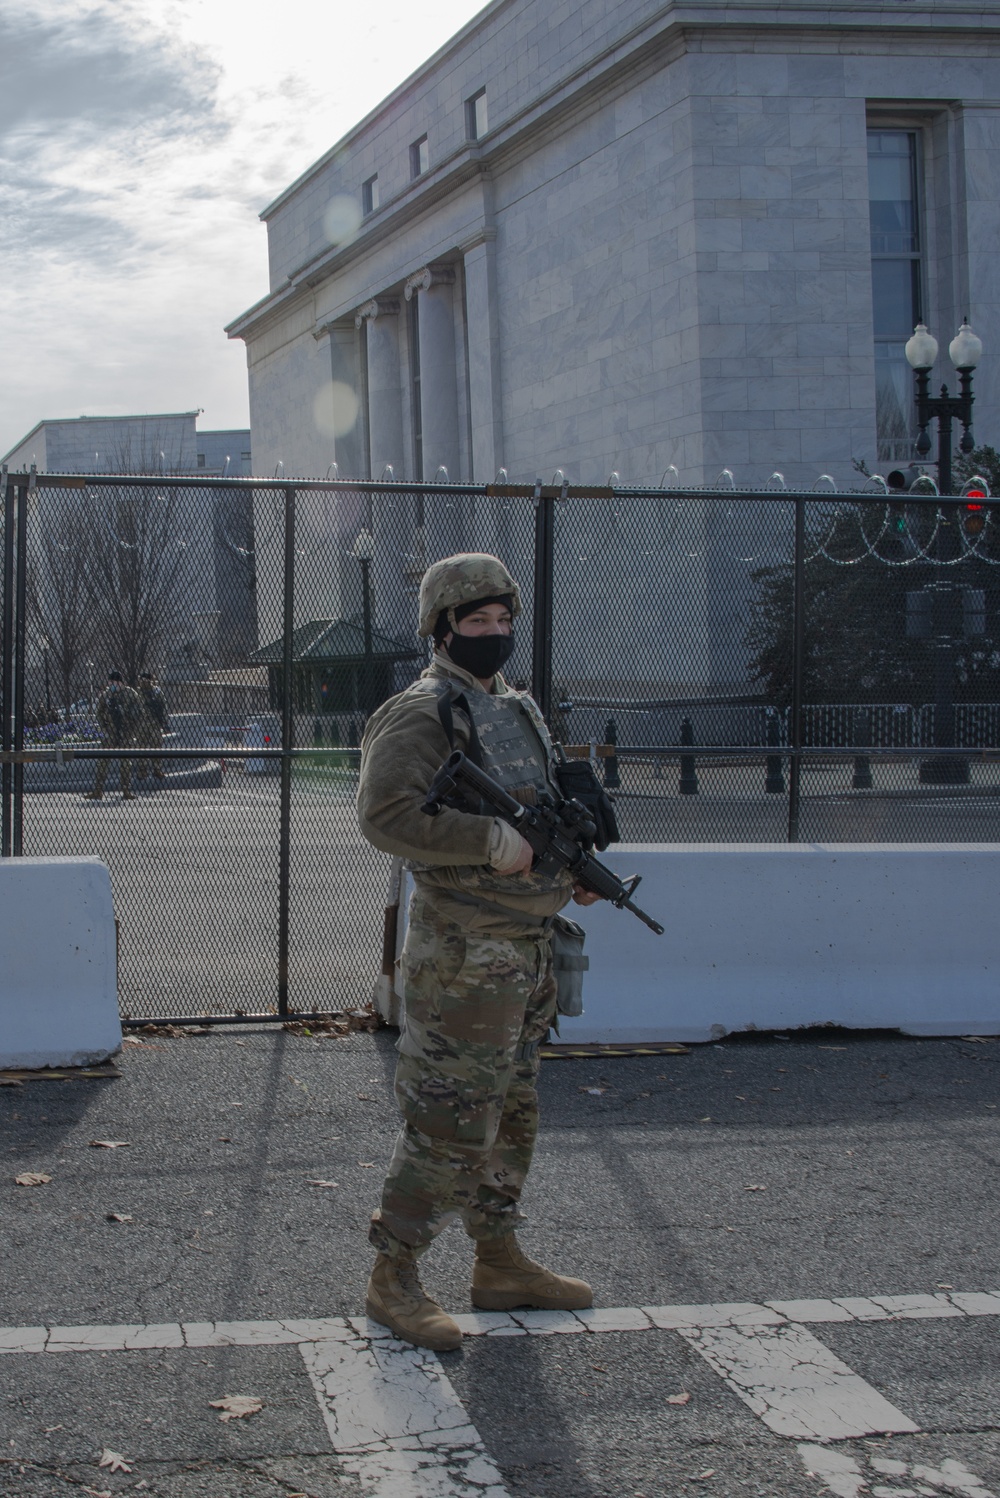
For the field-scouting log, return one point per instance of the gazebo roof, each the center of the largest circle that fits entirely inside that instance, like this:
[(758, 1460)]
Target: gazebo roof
[(333, 640)]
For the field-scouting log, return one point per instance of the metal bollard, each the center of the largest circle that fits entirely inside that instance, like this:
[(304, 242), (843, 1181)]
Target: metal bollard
[(862, 777), (611, 777), (688, 785), (774, 783)]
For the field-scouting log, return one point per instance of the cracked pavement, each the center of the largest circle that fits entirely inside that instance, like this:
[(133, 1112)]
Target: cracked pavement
[(873, 1166)]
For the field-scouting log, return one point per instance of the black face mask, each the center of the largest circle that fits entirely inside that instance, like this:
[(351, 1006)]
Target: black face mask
[(480, 655)]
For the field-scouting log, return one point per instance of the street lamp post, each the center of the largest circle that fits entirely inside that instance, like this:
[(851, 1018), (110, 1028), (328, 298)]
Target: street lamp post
[(364, 550), (965, 351)]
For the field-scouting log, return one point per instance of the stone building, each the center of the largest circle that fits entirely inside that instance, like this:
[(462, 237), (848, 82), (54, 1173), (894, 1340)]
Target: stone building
[(192, 548), (626, 236)]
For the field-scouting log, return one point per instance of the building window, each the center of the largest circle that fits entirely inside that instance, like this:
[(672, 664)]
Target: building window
[(419, 158), (897, 278), (201, 460), (413, 328), (369, 195), (476, 122)]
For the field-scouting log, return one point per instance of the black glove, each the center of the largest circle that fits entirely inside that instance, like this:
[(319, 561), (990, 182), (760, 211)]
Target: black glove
[(578, 782)]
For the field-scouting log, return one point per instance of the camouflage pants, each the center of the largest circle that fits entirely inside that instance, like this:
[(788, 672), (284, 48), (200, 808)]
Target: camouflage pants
[(104, 765), (149, 738), (476, 1010)]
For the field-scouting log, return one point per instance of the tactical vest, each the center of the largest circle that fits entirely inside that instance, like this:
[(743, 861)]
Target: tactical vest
[(510, 741)]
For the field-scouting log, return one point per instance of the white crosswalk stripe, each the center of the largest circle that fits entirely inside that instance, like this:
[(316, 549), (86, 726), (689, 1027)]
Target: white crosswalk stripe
[(397, 1424)]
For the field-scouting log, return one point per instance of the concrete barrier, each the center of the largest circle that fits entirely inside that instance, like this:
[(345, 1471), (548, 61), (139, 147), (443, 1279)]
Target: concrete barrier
[(58, 979), (777, 936)]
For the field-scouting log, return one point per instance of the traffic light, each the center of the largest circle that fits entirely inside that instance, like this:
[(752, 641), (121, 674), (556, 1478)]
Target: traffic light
[(902, 480), (974, 513)]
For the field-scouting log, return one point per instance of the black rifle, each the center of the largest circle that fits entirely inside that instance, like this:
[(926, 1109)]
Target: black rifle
[(559, 832)]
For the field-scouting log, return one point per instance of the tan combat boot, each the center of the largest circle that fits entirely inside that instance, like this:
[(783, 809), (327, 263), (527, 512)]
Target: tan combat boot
[(396, 1299), (503, 1278)]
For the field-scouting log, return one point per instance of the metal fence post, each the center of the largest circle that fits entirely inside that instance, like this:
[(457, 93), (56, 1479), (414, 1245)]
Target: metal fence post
[(287, 733), (541, 645), (6, 684), (798, 671), (20, 612)]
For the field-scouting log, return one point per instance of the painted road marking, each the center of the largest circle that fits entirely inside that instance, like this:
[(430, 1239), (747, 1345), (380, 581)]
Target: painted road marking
[(844, 1477), (396, 1422), (798, 1387)]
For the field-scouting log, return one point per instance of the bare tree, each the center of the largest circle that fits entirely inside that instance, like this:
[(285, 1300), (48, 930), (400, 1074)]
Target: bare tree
[(133, 574), (58, 593)]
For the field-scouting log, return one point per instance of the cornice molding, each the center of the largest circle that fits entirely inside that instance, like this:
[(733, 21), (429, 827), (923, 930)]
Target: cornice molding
[(481, 236)]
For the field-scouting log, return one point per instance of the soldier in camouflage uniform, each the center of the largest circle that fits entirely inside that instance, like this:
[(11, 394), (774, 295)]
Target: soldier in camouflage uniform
[(119, 711), (477, 961), (152, 726)]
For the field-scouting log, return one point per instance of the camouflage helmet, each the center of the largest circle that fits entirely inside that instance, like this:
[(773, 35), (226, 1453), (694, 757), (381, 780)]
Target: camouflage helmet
[(462, 579)]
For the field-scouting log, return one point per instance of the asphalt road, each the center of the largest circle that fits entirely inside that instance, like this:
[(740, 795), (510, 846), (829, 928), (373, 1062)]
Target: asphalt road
[(755, 1170)]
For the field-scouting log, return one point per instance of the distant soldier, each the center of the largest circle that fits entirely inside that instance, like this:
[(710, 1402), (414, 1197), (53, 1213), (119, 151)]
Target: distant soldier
[(153, 724), (119, 710)]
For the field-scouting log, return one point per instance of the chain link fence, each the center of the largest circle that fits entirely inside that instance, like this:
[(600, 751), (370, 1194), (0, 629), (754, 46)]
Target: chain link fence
[(740, 666)]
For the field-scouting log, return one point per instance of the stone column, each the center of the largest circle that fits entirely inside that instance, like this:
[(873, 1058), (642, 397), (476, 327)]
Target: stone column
[(347, 438), (438, 377), (392, 520), (379, 324), (484, 355)]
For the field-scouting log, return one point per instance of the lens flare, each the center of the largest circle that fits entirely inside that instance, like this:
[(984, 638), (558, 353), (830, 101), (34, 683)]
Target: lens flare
[(342, 219), (335, 409)]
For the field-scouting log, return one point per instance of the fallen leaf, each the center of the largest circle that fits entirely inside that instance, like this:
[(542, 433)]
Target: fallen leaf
[(702, 1475), (683, 1398), (237, 1406), (594, 1091), (109, 1144), (114, 1460), (32, 1178), (119, 1217), (597, 1368), (364, 1098), (132, 1040), (979, 1039), (367, 1164), (754, 1188), (50, 1428), (706, 1119), (940, 1286), (323, 1183), (225, 1139), (97, 1492)]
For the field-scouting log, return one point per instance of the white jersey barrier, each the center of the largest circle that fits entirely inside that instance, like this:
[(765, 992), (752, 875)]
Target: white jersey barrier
[(774, 936), (58, 979)]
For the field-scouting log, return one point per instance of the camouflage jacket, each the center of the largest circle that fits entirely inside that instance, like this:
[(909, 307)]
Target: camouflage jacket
[(119, 714), (154, 708), (404, 745)]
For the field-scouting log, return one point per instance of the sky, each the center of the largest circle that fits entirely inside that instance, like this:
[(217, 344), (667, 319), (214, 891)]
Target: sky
[(139, 142)]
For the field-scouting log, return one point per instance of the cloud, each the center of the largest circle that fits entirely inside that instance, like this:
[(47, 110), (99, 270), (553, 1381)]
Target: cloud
[(139, 140)]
